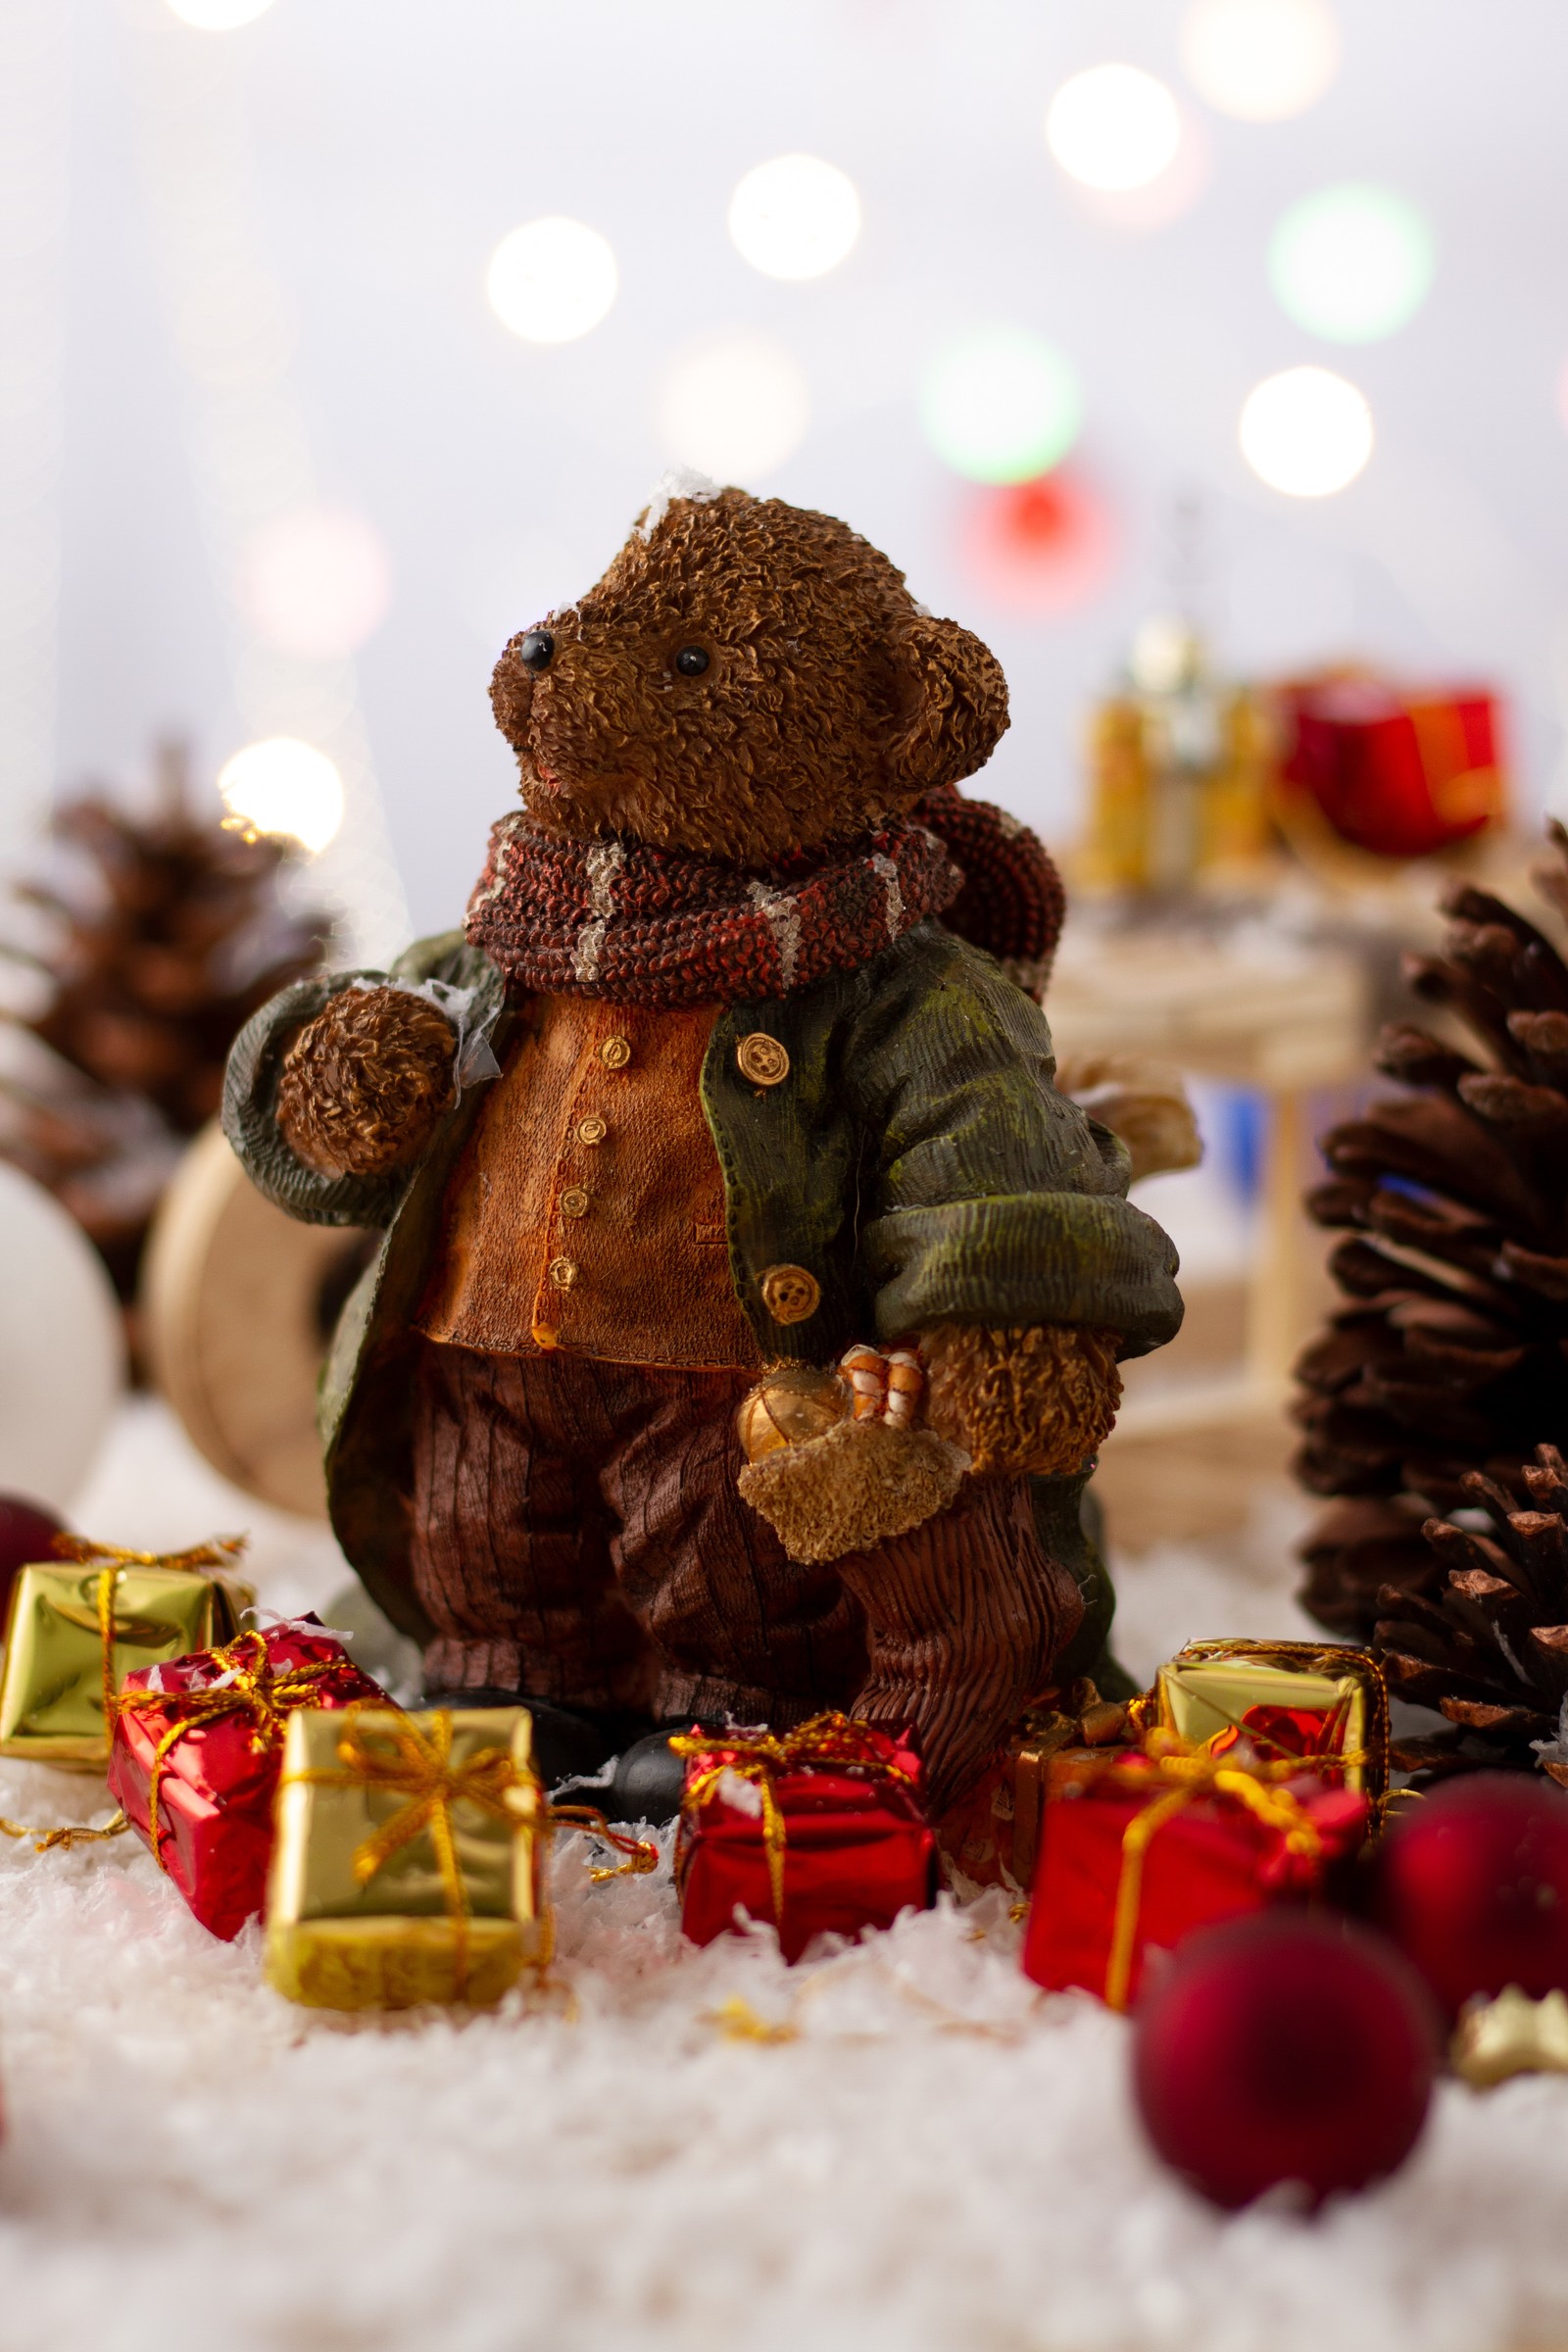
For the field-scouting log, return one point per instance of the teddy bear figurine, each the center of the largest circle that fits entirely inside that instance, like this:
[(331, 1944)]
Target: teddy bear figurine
[(725, 1347)]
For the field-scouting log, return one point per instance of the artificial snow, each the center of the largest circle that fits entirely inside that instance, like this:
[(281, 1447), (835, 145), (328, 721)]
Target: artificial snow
[(678, 483), (897, 2146)]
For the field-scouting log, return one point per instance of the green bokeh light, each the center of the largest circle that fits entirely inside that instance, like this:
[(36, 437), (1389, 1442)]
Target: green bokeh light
[(1351, 264), (1001, 406)]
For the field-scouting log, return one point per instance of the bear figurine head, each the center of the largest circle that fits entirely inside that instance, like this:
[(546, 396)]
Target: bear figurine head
[(748, 681)]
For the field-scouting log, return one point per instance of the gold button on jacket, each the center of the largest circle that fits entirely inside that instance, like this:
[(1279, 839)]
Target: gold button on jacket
[(790, 1294), (761, 1059), (562, 1272), (615, 1053), (574, 1201)]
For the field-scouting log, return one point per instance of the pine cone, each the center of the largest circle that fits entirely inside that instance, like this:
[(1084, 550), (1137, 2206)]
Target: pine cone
[(1489, 1647), (172, 935), (1450, 1353)]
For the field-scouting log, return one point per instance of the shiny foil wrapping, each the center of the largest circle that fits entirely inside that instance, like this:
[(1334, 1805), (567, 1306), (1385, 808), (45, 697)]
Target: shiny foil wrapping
[(52, 1682), (1210, 1860), (1322, 1703), (857, 1849), (219, 1777), (339, 1939)]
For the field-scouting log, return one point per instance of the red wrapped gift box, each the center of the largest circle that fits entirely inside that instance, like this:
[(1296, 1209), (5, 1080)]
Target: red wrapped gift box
[(1397, 773), (1138, 1852), (814, 1830), (202, 1738)]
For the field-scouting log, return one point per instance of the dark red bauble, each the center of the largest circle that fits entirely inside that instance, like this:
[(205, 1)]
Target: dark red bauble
[(1472, 1884), (27, 1531), (1285, 2046)]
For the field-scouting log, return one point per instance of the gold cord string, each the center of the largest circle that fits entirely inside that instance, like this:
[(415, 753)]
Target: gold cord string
[(70, 1833)]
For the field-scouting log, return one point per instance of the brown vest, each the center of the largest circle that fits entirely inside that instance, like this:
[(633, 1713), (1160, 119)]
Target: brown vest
[(586, 1211)]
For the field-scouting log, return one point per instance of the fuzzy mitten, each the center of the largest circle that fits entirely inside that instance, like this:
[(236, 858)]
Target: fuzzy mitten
[(1035, 1399), (833, 1461), (363, 1085), (853, 1487)]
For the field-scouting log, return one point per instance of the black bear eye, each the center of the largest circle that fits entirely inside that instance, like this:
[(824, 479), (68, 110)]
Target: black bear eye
[(690, 660), (536, 650)]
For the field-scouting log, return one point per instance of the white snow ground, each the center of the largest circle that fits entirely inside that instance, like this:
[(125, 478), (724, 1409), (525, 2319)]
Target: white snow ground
[(931, 2158)]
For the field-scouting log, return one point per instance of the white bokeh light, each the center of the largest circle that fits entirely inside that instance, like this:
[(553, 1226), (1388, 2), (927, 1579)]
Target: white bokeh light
[(286, 787), (734, 406), (1306, 433), (1113, 126), (218, 16), (1260, 61), (552, 280), (796, 216), (316, 581)]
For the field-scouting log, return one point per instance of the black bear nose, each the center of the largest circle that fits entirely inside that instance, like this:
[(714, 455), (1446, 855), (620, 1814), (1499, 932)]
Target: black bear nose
[(536, 650)]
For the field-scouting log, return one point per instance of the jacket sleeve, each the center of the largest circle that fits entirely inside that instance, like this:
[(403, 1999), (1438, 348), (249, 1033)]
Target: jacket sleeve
[(251, 1082), (992, 1198)]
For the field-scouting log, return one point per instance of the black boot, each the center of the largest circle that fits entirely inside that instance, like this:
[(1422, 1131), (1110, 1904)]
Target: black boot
[(650, 1779), (568, 1742)]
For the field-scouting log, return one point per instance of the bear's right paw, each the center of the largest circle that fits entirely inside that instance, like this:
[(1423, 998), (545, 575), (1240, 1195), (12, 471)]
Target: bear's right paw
[(364, 1084)]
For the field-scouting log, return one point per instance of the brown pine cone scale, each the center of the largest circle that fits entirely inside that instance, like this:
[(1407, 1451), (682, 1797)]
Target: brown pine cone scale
[(1449, 1357)]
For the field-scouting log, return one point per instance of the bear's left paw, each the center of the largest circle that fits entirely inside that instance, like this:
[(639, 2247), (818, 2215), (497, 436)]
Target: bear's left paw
[(853, 1486), (1038, 1398)]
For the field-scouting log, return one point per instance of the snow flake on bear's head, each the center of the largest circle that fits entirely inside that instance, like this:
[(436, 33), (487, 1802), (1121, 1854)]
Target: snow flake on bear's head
[(680, 482)]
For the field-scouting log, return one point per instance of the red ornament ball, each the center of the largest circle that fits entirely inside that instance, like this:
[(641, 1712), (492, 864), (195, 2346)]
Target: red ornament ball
[(1472, 1884), (27, 1532), (1284, 2046)]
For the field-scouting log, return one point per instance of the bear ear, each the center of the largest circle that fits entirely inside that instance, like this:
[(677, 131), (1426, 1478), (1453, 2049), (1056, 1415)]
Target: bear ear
[(953, 706)]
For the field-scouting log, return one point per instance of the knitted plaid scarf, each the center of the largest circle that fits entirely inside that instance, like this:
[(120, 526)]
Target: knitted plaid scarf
[(637, 925)]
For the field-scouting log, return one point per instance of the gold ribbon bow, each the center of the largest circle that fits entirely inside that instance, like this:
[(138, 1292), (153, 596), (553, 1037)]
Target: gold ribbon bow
[(253, 1687), (1183, 1775), (829, 1739), (414, 1761)]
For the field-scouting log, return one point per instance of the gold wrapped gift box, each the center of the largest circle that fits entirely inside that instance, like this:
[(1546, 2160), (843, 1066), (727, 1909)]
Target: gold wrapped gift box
[(407, 1860), (1317, 1701), (75, 1629)]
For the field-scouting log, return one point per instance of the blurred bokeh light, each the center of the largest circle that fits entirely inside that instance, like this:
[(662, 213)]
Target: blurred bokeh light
[(552, 280), (1306, 433), (287, 788), (1351, 264), (796, 216), (1001, 406), (1260, 61), (1040, 546), (734, 406), (1113, 126), (316, 581)]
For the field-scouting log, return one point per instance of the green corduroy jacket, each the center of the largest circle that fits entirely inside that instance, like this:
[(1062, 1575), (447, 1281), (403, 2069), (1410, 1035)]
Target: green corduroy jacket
[(916, 1160)]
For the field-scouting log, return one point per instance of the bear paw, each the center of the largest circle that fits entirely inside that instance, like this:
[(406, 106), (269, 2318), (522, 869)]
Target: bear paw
[(363, 1085), (1027, 1400)]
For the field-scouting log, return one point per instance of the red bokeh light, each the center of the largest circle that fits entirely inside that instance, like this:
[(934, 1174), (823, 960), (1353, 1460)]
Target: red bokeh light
[(1041, 545)]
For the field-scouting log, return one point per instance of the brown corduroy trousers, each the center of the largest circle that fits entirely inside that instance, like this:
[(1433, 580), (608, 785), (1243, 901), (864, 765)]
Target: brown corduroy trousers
[(577, 1536)]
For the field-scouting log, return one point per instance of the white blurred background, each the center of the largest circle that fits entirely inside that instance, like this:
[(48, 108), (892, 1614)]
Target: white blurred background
[(272, 464)]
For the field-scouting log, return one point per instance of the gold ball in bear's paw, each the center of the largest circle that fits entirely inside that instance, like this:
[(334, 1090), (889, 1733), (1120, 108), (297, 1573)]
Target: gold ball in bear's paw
[(789, 1406)]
